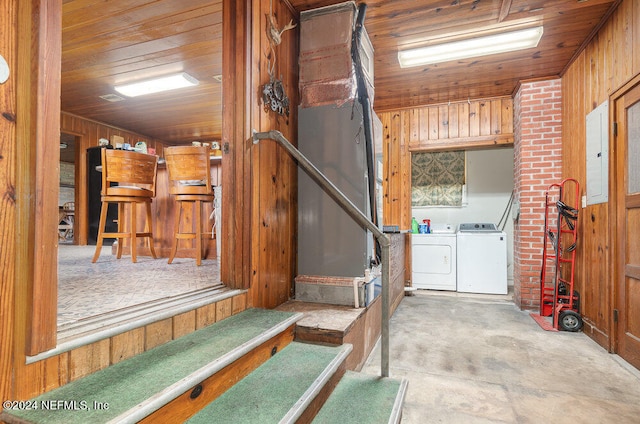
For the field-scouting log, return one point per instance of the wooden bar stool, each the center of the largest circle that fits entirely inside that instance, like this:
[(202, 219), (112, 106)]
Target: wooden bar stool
[(190, 183), (135, 174)]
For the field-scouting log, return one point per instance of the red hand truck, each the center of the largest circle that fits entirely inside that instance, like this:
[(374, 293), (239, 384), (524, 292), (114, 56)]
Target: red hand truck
[(558, 297)]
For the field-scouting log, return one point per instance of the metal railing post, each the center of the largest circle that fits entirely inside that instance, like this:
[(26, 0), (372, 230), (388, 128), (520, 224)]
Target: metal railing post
[(384, 341), (359, 217)]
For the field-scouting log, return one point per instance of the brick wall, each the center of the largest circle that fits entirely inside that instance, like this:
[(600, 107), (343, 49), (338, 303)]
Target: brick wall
[(538, 163)]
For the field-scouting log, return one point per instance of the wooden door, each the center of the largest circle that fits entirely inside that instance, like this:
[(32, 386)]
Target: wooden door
[(627, 186)]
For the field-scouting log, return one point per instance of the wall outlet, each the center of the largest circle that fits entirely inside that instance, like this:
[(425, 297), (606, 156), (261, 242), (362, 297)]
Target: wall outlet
[(584, 202)]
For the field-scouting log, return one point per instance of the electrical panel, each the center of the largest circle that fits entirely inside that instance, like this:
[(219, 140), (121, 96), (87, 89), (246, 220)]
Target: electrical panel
[(598, 155)]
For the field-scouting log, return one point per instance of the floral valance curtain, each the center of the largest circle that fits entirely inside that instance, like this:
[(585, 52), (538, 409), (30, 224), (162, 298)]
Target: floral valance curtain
[(437, 178)]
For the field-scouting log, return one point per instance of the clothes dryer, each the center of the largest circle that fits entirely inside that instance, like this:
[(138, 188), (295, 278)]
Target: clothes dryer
[(433, 258)]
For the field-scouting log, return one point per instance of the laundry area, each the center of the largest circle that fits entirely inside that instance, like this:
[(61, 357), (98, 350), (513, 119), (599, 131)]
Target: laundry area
[(479, 359), (465, 246)]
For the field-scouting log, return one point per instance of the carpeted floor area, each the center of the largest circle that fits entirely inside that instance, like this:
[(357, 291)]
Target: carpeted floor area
[(86, 289)]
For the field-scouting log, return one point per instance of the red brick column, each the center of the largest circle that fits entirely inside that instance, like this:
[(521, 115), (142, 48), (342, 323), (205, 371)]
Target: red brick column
[(538, 163)]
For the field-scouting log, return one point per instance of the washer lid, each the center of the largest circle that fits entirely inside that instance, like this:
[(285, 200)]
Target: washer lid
[(478, 228)]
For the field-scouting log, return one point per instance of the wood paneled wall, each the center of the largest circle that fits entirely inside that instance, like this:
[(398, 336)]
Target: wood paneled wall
[(397, 269), (611, 59), (462, 126), (396, 178), (466, 125), (235, 143), (8, 245), (37, 117), (259, 181), (274, 212)]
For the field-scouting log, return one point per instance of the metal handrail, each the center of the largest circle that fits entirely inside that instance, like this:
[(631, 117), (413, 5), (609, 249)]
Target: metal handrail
[(357, 216)]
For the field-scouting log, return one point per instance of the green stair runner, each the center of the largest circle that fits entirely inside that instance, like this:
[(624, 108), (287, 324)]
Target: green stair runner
[(140, 385), (279, 390), (364, 399)]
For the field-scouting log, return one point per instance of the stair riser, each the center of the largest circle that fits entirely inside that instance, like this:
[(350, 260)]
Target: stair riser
[(362, 334), (324, 394), (183, 407)]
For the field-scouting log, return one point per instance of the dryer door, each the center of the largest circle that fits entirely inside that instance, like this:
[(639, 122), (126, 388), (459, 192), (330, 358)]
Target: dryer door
[(433, 259)]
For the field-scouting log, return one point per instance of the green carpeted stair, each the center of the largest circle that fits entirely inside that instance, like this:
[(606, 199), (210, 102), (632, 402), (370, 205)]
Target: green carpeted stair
[(278, 391), (140, 385), (291, 385), (364, 399)]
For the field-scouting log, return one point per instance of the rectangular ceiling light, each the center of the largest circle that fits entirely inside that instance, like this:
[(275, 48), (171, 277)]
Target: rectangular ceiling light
[(472, 47), (157, 85)]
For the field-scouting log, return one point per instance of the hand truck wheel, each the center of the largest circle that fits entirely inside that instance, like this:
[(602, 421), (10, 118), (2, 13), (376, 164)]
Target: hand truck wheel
[(569, 320)]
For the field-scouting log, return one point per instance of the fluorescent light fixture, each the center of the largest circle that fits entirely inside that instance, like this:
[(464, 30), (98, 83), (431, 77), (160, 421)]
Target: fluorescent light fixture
[(157, 85), (473, 47)]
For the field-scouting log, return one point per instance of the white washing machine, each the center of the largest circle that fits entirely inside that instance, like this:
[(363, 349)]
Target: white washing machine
[(482, 259), (433, 258)]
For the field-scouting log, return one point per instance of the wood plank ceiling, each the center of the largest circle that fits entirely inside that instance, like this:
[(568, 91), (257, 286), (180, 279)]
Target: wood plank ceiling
[(105, 43), (119, 41)]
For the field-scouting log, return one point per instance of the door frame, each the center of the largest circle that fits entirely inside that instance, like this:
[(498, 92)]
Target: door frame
[(616, 238)]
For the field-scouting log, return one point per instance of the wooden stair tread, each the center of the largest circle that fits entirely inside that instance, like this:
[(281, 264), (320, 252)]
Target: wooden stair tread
[(140, 385), (280, 389), (362, 398)]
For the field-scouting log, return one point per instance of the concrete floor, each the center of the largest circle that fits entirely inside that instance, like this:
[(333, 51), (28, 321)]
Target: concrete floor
[(479, 359)]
